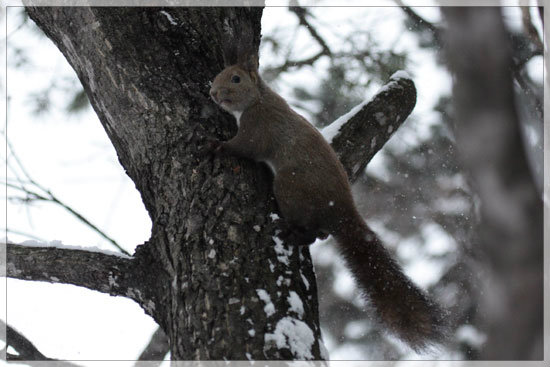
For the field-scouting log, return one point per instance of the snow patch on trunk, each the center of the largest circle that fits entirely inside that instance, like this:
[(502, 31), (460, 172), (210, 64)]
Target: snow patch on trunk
[(264, 296), (294, 335), (296, 304)]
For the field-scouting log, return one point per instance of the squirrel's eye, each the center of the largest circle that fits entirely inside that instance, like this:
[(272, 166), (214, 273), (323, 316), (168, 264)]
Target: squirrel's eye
[(235, 79)]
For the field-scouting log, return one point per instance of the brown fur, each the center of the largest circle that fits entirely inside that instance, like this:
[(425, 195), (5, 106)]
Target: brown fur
[(313, 194)]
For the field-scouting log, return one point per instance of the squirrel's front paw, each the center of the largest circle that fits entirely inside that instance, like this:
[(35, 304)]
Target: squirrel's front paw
[(212, 146)]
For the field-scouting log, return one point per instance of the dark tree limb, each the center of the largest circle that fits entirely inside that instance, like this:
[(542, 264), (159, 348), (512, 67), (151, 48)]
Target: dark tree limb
[(111, 274), (491, 149), (158, 347), (370, 128), (26, 349)]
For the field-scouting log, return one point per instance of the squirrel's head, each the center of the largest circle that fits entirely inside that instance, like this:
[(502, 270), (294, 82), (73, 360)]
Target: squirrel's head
[(237, 86)]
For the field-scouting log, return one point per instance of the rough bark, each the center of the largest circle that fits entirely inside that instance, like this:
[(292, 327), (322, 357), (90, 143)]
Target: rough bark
[(157, 348), (147, 74), (112, 274), (368, 130), (489, 140)]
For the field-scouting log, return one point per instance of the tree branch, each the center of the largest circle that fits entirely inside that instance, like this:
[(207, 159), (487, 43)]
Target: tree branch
[(21, 233), (24, 347), (158, 347), (420, 21), (358, 136), (301, 14), (112, 274), (530, 29), (50, 197), (294, 64), (26, 350)]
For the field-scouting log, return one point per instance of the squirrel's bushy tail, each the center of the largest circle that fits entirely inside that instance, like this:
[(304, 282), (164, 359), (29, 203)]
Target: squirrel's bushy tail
[(399, 303)]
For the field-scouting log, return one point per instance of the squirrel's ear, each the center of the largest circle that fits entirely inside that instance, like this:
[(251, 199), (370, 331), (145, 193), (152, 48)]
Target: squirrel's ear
[(249, 62), (254, 76)]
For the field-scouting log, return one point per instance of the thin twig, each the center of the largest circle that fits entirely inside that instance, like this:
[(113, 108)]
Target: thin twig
[(527, 87), (21, 233), (53, 199), (420, 21), (530, 28), (50, 197), (294, 64), (301, 13)]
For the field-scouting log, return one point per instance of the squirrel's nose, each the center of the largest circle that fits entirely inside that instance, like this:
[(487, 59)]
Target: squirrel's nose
[(213, 93)]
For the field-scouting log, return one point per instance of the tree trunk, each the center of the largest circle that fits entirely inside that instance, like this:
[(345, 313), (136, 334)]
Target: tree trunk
[(214, 271), (147, 73)]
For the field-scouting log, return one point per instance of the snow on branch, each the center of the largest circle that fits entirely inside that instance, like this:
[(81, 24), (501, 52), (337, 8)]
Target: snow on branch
[(358, 135), (106, 272)]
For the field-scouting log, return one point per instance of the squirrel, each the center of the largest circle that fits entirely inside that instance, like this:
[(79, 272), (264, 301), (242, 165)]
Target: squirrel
[(314, 196)]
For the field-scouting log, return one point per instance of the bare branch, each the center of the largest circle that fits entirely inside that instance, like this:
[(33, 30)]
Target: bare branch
[(364, 134), (112, 274), (158, 347), (525, 84), (23, 346), (420, 21), (50, 197), (294, 64), (530, 28), (21, 233), (26, 350), (301, 13)]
